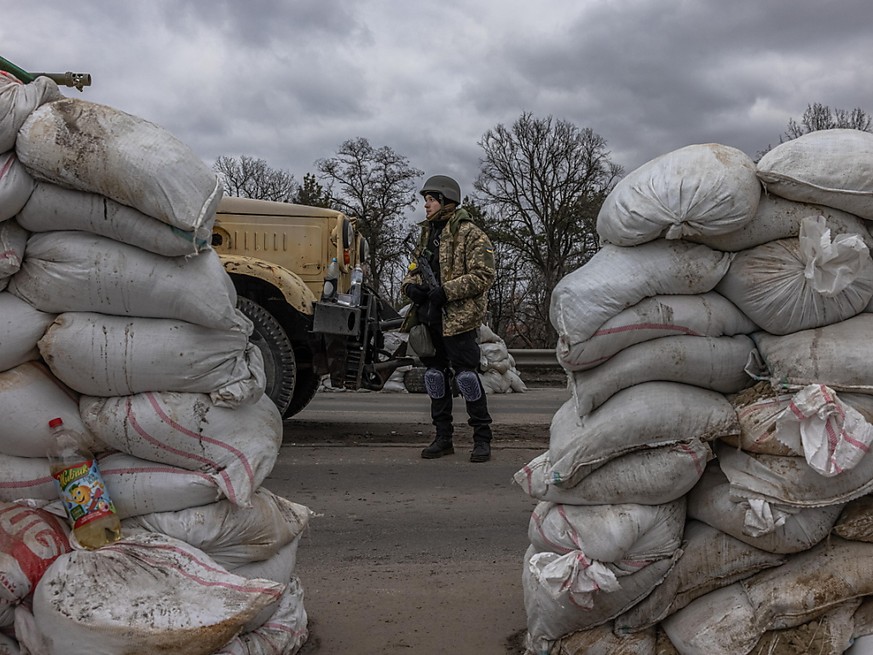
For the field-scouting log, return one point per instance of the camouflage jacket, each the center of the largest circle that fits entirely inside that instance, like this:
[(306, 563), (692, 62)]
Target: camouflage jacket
[(466, 273)]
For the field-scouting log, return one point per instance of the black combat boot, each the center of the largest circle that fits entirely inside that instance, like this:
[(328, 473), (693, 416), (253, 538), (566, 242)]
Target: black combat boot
[(440, 446), (481, 451)]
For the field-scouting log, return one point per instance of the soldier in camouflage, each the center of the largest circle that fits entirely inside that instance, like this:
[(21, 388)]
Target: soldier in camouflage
[(462, 259)]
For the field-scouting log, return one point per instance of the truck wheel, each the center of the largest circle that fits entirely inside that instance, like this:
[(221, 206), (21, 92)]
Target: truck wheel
[(280, 365), (304, 390)]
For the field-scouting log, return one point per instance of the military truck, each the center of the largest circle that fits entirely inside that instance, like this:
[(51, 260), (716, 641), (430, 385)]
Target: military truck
[(277, 255)]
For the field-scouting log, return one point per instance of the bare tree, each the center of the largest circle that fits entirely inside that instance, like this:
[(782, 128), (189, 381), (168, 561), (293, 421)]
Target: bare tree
[(248, 177), (542, 182), (375, 186)]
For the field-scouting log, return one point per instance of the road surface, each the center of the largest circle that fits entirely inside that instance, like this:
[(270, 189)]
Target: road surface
[(406, 555)]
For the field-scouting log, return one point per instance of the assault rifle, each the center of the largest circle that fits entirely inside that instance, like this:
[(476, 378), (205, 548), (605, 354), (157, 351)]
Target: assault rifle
[(421, 265)]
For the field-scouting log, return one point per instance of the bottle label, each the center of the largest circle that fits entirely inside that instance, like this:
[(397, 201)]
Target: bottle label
[(84, 493)]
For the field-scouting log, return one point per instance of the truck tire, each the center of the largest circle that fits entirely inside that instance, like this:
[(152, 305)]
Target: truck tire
[(280, 364), (305, 388)]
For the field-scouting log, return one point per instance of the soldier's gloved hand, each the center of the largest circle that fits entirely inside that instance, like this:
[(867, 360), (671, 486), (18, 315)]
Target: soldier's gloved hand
[(437, 297), (417, 293)]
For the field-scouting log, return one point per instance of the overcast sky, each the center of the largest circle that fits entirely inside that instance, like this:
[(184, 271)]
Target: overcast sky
[(289, 81)]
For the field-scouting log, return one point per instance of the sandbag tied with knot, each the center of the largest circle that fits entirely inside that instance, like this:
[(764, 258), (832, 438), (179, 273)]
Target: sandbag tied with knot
[(789, 285), (616, 278), (92, 147), (701, 189)]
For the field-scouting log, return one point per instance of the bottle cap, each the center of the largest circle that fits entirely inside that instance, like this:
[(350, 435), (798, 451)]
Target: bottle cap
[(55, 422)]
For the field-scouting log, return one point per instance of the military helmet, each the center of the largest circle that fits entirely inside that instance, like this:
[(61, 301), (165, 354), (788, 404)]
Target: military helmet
[(443, 185)]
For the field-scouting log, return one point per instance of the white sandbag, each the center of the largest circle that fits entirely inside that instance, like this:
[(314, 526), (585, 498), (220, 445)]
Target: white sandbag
[(494, 382), (100, 149), (616, 278), (21, 327), (150, 590), (71, 271), (619, 539), (790, 480), (229, 534), (100, 355), (282, 634), (705, 315), (516, 384), (699, 189), (827, 167), (138, 486), (731, 620), (791, 285), (16, 185), (827, 634), (653, 476), (27, 478), (549, 618), (239, 445), (9, 646), (52, 207), (13, 240), (31, 396), (710, 560), (17, 102), (280, 567), (602, 640), (636, 418), (30, 540), (836, 355), (856, 521), (717, 363), (772, 527), (779, 218)]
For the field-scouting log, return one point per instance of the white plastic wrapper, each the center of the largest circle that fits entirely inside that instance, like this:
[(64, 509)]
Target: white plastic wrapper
[(832, 436)]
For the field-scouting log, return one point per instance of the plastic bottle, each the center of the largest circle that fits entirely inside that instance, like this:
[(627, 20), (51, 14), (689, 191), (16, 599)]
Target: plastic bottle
[(330, 281), (357, 281), (81, 488)]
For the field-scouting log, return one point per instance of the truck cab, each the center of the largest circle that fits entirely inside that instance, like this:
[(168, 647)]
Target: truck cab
[(277, 255)]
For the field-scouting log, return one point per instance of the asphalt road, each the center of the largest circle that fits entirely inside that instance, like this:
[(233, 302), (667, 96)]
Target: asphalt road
[(406, 555)]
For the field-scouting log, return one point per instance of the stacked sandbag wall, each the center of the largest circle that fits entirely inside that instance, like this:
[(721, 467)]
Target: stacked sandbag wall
[(705, 489), (117, 316)]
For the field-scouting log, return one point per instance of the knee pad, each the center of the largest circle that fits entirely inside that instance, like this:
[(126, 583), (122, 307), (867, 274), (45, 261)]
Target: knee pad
[(469, 386), (435, 383)]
